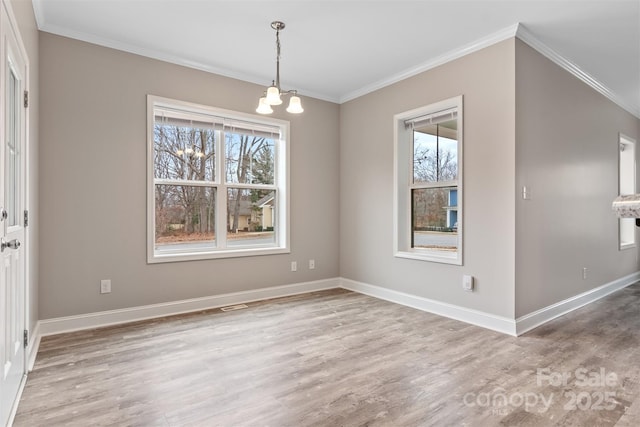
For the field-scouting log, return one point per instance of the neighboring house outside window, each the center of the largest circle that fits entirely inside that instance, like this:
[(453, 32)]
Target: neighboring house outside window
[(452, 209)]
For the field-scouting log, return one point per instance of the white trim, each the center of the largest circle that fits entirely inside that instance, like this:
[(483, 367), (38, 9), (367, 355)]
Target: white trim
[(630, 230), (537, 318), (26, 156), (159, 55), (516, 30), (16, 403), (22, 51), (527, 36), (626, 246), (126, 315), (34, 345), (475, 317), (38, 11), (431, 255), (281, 185), (467, 315), (403, 165), (491, 39)]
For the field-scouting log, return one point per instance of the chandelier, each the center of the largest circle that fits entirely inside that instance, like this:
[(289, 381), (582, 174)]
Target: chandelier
[(274, 94)]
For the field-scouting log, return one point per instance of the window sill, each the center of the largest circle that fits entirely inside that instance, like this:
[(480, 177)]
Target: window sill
[(431, 256), (625, 246), (156, 258)]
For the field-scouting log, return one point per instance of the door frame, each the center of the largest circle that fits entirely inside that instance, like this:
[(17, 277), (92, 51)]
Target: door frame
[(6, 8)]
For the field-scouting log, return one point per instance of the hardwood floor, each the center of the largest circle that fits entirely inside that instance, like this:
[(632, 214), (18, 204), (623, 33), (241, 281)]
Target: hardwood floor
[(337, 358)]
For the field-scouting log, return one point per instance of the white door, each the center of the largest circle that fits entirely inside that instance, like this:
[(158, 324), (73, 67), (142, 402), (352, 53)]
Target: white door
[(12, 227)]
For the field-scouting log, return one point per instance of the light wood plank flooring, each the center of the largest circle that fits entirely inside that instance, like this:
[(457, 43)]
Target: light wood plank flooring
[(338, 358)]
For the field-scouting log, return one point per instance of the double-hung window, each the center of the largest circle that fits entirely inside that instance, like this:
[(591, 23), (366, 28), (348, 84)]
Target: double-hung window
[(217, 183), (428, 182)]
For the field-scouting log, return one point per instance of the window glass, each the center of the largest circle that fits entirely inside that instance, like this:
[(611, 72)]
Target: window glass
[(435, 153), (184, 217), (249, 159), (250, 217), (218, 183), (435, 218)]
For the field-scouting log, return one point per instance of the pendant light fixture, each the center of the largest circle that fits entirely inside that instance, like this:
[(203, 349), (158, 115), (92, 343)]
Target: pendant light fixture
[(274, 94)]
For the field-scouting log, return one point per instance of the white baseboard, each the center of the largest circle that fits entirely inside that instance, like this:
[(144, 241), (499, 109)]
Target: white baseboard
[(34, 345), (125, 315), (533, 320), (474, 317)]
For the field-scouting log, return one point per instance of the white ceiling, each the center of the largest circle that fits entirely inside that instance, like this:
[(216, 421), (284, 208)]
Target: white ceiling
[(337, 50)]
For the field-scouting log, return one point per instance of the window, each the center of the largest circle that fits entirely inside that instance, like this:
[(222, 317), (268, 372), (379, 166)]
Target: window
[(428, 182), (217, 183), (626, 186)]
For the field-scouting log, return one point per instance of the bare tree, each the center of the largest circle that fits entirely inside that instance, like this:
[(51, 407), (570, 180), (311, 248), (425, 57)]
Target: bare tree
[(187, 153), (247, 162), (430, 165), (428, 207), (433, 162), (184, 153)]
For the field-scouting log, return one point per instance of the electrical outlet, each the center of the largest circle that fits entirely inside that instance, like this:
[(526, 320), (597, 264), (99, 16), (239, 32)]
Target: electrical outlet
[(105, 286), (312, 264), (294, 266), (467, 283)]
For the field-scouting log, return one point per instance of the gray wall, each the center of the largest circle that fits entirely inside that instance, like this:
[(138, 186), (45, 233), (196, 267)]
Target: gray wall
[(526, 122), (23, 11), (567, 156), (486, 79), (93, 183)]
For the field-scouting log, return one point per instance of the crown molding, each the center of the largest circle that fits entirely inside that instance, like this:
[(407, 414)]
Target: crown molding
[(517, 30), (172, 59), (159, 55), (491, 39), (38, 12), (527, 36)]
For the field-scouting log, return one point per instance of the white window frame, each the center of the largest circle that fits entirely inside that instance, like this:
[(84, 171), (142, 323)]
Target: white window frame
[(626, 186), (403, 174), (281, 244)]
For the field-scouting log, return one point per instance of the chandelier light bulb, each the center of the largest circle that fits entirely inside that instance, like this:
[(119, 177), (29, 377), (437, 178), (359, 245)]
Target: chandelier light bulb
[(295, 106), (273, 96), (264, 107)]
